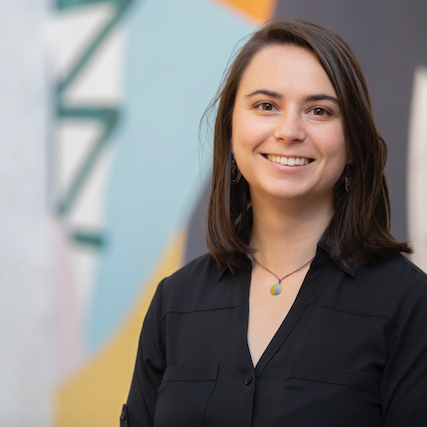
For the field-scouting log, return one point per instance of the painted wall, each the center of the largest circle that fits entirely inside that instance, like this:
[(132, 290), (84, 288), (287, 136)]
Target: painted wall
[(133, 81), (104, 174), (27, 368)]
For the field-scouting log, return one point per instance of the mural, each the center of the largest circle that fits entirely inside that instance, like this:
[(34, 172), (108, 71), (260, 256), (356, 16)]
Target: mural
[(130, 170), (127, 170)]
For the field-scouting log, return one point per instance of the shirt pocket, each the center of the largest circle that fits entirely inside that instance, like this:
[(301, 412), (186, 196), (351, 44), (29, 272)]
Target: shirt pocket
[(331, 376), (336, 396), (183, 395)]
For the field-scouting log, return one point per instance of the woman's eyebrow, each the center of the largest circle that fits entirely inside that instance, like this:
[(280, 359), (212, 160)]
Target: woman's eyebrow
[(322, 97), (309, 98), (276, 95)]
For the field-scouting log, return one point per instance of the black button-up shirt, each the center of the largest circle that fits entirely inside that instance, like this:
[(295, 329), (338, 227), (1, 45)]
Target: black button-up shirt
[(352, 351)]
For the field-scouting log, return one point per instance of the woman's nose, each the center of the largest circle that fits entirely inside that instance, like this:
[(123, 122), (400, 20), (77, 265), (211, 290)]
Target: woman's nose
[(290, 127)]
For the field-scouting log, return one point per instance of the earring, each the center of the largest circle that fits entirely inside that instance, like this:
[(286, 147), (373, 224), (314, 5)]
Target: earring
[(347, 178), (235, 171)]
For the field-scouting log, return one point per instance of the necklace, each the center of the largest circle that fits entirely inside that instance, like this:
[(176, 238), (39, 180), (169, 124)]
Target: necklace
[(277, 287)]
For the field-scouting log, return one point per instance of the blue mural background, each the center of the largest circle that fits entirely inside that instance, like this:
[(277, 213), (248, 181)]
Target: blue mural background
[(176, 54)]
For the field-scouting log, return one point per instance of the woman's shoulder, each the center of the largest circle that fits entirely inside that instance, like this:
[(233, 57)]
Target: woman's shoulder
[(395, 287), (202, 267), (396, 271), (406, 265), (196, 286)]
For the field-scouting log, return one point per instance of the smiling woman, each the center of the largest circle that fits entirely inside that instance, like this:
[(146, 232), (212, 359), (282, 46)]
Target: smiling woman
[(304, 312)]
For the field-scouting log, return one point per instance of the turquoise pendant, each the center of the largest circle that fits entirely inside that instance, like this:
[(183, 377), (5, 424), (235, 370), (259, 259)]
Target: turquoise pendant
[(276, 289)]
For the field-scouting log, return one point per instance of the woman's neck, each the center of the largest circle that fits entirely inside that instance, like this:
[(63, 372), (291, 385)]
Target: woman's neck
[(284, 235)]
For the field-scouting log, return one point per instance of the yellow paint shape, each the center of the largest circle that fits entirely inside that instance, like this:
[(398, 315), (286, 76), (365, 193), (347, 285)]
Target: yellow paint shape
[(257, 10), (95, 395)]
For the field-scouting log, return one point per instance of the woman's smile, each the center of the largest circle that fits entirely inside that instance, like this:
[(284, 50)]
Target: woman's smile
[(288, 160)]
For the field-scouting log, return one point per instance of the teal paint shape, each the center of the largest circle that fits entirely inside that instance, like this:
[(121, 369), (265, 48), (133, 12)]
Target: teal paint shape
[(106, 116), (176, 55)]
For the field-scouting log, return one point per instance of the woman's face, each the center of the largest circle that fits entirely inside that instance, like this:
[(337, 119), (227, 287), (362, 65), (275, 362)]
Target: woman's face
[(287, 130)]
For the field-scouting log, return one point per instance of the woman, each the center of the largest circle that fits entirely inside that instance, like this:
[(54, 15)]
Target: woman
[(304, 313)]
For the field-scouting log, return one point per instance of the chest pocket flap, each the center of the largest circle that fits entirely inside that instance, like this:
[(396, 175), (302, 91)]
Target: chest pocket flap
[(183, 395)]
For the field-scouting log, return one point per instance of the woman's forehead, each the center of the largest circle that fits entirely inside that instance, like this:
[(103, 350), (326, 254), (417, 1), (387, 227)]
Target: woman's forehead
[(283, 68)]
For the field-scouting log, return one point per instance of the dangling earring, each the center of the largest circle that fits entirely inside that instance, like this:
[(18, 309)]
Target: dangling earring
[(347, 178), (235, 171)]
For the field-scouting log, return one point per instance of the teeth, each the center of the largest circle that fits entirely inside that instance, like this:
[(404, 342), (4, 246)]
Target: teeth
[(288, 161)]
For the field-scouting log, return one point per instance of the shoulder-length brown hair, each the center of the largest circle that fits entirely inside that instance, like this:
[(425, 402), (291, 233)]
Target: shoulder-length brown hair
[(360, 225)]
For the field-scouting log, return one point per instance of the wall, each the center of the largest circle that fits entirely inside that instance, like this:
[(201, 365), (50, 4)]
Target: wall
[(104, 172)]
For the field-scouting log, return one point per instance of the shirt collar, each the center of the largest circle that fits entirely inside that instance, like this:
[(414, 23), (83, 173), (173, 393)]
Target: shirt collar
[(350, 267), (245, 263)]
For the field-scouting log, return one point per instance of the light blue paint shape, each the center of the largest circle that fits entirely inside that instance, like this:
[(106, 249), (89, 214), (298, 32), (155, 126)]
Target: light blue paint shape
[(175, 58)]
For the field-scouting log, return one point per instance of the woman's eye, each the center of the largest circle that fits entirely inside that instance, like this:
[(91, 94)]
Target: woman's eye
[(266, 106), (318, 111)]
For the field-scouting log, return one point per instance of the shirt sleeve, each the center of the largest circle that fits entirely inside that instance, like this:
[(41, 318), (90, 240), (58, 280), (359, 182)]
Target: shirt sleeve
[(404, 380), (149, 368)]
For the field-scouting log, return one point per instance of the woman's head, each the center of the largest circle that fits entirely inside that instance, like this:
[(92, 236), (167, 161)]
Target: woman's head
[(359, 212), (288, 134)]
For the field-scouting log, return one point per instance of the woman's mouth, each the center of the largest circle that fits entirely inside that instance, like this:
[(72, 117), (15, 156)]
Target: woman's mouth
[(289, 161)]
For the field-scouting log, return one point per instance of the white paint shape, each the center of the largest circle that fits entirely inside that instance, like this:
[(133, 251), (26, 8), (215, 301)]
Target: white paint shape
[(27, 361), (73, 141), (100, 81), (98, 84), (417, 171), (71, 30)]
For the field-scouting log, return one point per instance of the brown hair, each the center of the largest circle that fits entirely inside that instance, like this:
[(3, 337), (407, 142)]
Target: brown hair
[(360, 225)]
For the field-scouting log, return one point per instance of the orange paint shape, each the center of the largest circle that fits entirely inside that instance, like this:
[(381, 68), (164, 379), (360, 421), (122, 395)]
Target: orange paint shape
[(258, 10)]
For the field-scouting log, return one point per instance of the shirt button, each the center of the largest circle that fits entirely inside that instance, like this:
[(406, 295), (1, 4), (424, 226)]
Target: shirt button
[(123, 414), (248, 380)]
